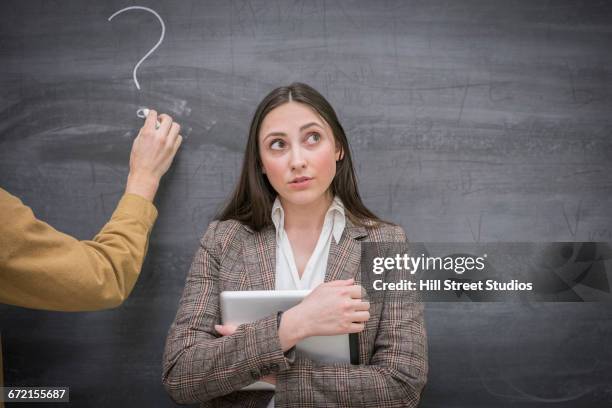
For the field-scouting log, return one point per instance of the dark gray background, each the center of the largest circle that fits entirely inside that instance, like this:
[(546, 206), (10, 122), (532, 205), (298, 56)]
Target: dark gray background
[(469, 121)]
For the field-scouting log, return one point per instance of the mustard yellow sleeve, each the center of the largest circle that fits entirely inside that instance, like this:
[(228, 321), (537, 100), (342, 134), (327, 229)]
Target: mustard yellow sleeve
[(42, 268)]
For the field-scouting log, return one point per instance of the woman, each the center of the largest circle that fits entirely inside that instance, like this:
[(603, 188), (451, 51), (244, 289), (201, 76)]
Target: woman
[(295, 221)]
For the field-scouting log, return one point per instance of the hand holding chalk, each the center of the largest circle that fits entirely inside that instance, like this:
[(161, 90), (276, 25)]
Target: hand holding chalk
[(142, 113), (152, 153)]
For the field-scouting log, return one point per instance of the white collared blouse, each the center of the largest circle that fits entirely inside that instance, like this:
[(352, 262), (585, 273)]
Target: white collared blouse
[(287, 277)]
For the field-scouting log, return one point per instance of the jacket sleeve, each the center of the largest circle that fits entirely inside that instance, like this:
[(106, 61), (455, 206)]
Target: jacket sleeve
[(198, 364), (42, 268), (394, 376)]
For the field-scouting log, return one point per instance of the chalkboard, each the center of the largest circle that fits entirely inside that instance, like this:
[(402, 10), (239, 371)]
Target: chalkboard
[(469, 121)]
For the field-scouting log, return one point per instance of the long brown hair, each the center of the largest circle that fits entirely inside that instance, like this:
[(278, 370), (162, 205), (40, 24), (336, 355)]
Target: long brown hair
[(252, 199)]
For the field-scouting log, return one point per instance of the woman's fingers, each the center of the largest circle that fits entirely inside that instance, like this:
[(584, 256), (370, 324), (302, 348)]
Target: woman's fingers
[(356, 327), (270, 378), (341, 282), (360, 316), (360, 305), (225, 329), (334, 307), (355, 292)]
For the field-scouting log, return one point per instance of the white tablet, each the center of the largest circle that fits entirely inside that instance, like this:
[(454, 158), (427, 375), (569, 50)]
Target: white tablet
[(239, 307)]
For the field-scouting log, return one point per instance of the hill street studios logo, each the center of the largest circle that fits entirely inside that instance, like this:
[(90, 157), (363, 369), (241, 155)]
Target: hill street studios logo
[(483, 272)]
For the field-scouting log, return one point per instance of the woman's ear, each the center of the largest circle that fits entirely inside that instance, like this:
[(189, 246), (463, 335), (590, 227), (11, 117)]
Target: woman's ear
[(339, 153)]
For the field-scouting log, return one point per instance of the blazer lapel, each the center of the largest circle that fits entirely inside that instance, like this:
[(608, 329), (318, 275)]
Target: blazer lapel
[(345, 256), (259, 253)]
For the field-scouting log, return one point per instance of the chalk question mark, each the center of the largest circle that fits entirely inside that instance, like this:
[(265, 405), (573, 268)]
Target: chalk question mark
[(161, 38)]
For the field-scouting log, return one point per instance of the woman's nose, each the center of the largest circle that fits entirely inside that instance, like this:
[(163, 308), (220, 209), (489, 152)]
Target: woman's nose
[(297, 159)]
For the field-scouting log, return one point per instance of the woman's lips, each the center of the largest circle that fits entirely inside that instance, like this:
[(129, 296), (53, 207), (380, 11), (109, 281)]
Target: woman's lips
[(301, 183)]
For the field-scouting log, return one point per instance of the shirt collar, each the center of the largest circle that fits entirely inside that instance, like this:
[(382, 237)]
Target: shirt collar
[(335, 214)]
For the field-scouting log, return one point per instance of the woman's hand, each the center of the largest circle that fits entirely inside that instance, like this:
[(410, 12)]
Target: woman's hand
[(152, 153), (225, 329), (228, 330), (331, 308)]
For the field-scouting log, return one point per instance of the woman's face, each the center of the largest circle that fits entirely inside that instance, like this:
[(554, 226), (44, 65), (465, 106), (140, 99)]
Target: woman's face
[(298, 153)]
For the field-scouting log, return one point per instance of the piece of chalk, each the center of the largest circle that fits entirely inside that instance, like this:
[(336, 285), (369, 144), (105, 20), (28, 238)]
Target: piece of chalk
[(143, 113)]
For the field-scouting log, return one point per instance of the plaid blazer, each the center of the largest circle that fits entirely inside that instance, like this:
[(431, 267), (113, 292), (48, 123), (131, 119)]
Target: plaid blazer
[(201, 366)]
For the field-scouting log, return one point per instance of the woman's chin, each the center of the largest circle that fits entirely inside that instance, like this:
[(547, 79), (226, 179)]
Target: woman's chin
[(303, 197)]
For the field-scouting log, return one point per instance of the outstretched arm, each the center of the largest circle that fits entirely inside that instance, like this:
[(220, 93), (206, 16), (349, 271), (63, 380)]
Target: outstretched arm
[(43, 268)]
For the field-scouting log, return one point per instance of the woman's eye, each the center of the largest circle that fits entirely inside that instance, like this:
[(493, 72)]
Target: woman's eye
[(277, 144), (313, 138)]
